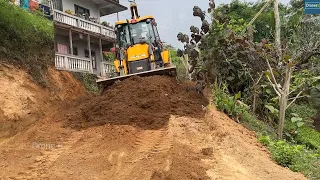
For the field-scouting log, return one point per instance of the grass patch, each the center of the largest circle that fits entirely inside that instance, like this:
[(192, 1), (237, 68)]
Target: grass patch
[(251, 122), (26, 40)]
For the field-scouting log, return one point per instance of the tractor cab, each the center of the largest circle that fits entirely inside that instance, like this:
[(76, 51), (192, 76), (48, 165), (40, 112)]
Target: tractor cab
[(137, 31)]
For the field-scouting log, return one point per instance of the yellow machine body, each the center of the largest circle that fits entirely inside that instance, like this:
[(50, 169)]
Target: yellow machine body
[(134, 20), (143, 58), (166, 56), (138, 52)]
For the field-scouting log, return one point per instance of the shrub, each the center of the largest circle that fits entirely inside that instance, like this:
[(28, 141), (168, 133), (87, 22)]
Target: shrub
[(284, 153), (308, 163), (231, 105), (305, 111), (296, 157), (305, 135), (265, 140), (88, 80), (309, 137), (234, 108)]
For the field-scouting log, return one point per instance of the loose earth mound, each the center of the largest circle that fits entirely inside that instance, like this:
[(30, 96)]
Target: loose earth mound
[(153, 128), (143, 102)]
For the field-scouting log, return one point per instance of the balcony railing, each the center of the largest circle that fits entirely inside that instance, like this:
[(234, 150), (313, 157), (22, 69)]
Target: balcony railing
[(107, 69), (78, 22), (73, 63)]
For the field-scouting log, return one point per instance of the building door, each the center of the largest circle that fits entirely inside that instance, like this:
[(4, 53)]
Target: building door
[(93, 58)]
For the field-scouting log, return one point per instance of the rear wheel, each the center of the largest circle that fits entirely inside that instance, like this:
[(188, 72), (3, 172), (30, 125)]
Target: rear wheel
[(173, 73)]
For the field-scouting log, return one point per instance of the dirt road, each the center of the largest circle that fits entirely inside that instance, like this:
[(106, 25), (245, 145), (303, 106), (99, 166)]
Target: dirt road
[(200, 143), (125, 152)]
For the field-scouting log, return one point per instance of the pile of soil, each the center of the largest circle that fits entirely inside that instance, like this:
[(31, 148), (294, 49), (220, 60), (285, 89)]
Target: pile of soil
[(142, 102)]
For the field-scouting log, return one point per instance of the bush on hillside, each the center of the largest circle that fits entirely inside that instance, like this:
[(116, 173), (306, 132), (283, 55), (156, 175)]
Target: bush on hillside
[(305, 134), (26, 40), (302, 157), (89, 81), (309, 137), (296, 157), (305, 111)]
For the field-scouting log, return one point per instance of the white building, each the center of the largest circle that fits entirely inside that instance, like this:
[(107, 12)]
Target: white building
[(78, 31)]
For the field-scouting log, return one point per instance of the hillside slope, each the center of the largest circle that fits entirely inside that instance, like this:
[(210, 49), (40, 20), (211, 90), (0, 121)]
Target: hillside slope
[(22, 102), (90, 138)]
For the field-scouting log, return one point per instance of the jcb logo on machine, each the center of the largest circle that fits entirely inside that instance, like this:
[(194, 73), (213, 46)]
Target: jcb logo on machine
[(138, 56), (140, 68)]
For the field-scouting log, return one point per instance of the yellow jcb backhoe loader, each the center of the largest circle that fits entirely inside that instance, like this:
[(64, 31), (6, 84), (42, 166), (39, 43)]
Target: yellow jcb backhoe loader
[(139, 50)]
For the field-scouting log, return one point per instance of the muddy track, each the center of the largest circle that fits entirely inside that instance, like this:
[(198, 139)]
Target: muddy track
[(147, 144), (44, 162)]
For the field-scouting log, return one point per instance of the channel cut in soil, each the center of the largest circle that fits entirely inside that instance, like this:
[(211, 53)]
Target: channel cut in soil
[(142, 102)]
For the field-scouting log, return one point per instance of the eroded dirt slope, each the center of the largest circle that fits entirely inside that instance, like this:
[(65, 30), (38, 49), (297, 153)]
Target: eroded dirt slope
[(148, 128), (22, 102)]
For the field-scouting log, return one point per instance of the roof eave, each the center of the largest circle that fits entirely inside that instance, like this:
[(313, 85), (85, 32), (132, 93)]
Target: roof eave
[(111, 8)]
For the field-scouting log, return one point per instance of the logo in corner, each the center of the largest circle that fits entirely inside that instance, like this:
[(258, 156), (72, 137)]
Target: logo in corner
[(312, 6)]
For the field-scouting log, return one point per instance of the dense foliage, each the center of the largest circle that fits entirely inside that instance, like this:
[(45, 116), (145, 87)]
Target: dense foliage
[(253, 80), (232, 52)]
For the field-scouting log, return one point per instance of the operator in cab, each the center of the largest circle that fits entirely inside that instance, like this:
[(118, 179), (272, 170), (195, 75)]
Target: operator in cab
[(138, 37)]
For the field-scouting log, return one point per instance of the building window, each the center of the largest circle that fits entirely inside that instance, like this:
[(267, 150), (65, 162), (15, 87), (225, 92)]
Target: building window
[(57, 4), (81, 10), (62, 48)]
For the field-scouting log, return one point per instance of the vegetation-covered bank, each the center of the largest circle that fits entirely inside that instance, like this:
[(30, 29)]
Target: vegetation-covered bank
[(238, 49), (299, 151), (26, 40)]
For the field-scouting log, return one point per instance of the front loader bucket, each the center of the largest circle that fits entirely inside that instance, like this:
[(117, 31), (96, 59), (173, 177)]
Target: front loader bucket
[(170, 71)]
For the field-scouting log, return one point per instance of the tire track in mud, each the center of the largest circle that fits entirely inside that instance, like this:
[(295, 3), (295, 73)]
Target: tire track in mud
[(148, 144), (151, 143), (44, 162)]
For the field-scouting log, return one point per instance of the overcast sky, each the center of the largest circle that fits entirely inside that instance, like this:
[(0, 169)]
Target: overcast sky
[(172, 16)]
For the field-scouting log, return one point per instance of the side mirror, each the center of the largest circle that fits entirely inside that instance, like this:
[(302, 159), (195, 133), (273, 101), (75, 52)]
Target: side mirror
[(154, 22)]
